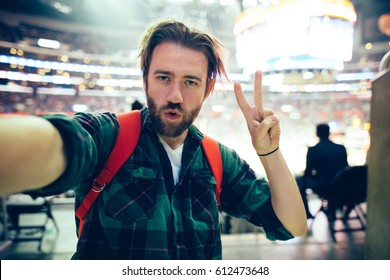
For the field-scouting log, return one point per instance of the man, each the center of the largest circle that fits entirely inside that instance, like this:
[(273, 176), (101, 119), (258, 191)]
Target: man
[(161, 204), (323, 162)]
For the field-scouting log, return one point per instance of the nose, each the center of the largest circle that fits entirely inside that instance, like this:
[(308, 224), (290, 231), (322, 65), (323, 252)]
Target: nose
[(174, 94)]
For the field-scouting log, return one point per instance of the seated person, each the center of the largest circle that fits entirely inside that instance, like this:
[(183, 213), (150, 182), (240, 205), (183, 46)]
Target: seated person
[(323, 161)]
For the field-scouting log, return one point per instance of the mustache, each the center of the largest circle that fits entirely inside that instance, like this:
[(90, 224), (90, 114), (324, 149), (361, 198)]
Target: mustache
[(173, 106)]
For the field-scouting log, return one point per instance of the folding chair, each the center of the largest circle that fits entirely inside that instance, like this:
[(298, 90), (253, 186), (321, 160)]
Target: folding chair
[(20, 204), (343, 204)]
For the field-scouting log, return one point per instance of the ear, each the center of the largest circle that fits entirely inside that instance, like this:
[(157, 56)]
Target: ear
[(210, 87)]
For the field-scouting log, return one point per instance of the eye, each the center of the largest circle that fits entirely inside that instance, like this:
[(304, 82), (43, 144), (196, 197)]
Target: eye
[(163, 78), (191, 83)]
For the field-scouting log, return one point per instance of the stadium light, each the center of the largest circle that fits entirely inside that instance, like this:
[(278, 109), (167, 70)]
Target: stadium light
[(46, 43)]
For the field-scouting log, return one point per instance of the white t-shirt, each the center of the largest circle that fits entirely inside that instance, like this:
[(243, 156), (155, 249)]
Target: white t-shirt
[(175, 158)]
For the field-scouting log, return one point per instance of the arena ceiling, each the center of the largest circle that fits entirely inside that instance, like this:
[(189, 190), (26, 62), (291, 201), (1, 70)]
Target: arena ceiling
[(134, 15)]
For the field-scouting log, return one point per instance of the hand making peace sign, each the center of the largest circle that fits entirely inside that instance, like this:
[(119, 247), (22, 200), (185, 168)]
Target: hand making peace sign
[(263, 124)]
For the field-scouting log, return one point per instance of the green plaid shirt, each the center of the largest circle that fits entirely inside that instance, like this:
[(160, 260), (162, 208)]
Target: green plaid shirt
[(142, 214)]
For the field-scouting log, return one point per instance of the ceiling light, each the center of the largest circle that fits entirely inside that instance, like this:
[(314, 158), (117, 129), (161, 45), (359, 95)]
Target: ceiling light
[(46, 43)]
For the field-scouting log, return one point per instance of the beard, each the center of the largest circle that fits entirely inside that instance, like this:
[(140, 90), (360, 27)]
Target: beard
[(170, 129)]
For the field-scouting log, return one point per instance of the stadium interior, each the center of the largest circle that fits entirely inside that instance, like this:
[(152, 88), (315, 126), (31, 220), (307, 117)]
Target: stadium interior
[(82, 55)]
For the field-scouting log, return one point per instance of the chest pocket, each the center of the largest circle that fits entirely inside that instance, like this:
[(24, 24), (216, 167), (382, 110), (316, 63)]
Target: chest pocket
[(132, 195), (204, 203)]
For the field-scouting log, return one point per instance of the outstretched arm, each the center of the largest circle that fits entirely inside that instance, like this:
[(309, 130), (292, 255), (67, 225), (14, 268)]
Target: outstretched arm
[(264, 128), (32, 154)]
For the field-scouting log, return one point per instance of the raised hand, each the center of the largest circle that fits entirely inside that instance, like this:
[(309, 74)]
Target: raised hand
[(263, 124)]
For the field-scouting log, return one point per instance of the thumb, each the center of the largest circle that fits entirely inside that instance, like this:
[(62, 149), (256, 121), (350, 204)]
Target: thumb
[(267, 124)]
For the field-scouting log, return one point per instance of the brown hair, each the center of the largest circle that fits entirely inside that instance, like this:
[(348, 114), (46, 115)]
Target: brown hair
[(177, 32)]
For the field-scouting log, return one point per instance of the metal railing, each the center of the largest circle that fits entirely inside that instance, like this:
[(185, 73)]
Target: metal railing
[(385, 62)]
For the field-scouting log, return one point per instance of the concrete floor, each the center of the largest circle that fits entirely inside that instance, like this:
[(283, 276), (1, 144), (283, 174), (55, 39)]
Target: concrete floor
[(316, 245)]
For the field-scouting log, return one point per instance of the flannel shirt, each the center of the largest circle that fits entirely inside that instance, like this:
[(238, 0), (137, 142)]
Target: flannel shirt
[(141, 214)]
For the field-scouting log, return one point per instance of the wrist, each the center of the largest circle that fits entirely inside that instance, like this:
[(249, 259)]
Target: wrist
[(269, 153)]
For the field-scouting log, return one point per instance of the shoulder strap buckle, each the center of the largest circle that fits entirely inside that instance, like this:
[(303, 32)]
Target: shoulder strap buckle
[(96, 187)]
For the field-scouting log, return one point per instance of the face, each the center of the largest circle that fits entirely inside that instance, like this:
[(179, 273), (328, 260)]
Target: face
[(176, 88)]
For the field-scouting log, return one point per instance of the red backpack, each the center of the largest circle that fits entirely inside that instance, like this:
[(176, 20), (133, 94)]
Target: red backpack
[(130, 130)]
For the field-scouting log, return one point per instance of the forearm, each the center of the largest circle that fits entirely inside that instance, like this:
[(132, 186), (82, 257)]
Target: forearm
[(32, 154), (286, 199)]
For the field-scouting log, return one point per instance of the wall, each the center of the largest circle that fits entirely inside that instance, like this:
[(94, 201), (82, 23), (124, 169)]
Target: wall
[(378, 200)]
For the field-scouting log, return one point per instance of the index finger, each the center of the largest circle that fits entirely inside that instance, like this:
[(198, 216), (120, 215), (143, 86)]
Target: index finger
[(258, 90), (242, 103)]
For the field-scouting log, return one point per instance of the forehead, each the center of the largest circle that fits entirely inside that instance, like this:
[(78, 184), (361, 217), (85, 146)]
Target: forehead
[(178, 60)]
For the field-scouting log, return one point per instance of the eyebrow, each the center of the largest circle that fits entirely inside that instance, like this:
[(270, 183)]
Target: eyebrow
[(192, 77)]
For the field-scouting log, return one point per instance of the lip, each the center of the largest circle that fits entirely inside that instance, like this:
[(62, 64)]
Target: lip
[(172, 114)]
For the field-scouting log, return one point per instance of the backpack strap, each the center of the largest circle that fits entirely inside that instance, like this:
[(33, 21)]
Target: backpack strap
[(129, 132), (214, 158)]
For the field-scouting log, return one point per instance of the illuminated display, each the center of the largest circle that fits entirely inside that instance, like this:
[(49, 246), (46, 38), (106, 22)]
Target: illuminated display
[(296, 35)]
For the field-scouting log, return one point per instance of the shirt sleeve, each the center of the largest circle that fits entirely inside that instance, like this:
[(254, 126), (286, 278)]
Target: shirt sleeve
[(245, 196), (88, 140)]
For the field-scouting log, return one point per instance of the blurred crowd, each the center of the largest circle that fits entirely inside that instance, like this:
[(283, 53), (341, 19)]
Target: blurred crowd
[(299, 113)]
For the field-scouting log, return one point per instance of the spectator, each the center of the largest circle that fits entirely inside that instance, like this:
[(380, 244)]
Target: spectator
[(323, 162), (136, 105)]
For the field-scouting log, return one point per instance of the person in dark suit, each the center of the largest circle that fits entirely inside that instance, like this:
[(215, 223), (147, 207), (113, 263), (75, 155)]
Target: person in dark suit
[(136, 105), (323, 161)]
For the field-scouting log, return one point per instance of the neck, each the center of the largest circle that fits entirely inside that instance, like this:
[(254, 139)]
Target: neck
[(175, 142)]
